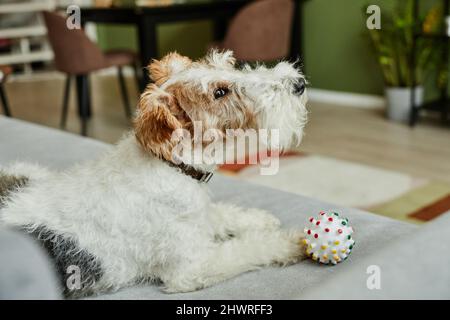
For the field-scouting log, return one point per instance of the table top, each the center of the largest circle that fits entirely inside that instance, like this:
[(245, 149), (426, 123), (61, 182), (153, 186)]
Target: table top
[(131, 4), (166, 4), (126, 11), (156, 3)]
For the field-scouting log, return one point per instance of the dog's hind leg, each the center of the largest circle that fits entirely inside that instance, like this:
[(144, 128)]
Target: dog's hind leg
[(224, 260)]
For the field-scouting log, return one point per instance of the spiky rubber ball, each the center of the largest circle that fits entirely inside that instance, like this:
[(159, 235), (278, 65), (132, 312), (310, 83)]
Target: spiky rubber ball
[(328, 238)]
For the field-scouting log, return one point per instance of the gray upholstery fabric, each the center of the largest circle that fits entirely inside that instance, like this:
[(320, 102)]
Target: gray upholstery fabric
[(27, 142), (25, 272), (415, 266), (372, 233)]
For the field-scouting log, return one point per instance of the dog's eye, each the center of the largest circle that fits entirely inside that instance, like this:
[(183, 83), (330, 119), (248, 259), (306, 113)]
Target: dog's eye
[(220, 92)]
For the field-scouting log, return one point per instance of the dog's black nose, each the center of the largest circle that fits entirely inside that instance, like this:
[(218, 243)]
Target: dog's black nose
[(299, 87)]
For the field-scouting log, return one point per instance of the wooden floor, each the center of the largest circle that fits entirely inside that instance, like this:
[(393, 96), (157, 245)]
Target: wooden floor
[(39, 100), (353, 134), (365, 136)]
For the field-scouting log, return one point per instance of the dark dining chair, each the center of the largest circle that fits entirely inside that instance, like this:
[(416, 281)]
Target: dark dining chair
[(261, 31), (5, 71), (77, 56)]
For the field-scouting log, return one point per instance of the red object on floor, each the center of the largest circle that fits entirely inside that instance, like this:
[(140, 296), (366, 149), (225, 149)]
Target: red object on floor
[(250, 160), (433, 210)]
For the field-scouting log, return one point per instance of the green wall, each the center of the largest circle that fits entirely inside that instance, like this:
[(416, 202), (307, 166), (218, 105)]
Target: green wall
[(337, 50), (189, 39)]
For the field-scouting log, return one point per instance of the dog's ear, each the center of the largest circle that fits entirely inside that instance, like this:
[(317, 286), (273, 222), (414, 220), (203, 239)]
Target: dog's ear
[(161, 70), (220, 59), (155, 122)]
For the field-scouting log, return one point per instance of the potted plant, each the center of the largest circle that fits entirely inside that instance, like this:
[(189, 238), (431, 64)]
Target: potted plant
[(393, 46)]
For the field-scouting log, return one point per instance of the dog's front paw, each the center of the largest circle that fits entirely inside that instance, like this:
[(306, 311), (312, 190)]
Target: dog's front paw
[(291, 248), (261, 219)]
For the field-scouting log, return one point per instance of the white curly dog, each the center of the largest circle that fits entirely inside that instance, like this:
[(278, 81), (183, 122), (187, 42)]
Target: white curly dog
[(134, 215)]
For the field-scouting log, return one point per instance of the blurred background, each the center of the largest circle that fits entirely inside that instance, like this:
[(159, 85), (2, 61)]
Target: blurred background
[(378, 136)]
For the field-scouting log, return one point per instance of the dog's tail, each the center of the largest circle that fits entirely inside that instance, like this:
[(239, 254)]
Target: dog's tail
[(17, 176), (10, 184)]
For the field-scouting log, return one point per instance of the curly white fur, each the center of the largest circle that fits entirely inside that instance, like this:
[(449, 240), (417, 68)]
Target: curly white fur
[(143, 219)]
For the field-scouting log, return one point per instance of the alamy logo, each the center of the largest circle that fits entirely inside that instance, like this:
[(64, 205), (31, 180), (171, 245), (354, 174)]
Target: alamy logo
[(73, 281), (73, 20), (374, 279), (214, 147), (374, 20)]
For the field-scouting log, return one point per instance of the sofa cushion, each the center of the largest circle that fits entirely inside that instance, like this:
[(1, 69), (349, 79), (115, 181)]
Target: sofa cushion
[(24, 141), (25, 271), (56, 149), (414, 266)]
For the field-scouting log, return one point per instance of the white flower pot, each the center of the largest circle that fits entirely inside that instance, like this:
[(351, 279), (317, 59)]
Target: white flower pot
[(399, 102)]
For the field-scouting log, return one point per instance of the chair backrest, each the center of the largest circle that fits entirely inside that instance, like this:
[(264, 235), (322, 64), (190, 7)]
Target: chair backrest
[(5, 71), (74, 52), (261, 31)]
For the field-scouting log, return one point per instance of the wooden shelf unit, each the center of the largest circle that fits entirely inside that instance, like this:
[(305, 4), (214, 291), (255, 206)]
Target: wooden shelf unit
[(24, 36)]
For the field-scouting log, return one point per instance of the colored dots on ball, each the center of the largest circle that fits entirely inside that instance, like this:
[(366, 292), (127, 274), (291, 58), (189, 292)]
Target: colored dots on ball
[(328, 240)]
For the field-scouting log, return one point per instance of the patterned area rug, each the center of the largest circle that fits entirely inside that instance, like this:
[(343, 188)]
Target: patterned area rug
[(393, 194)]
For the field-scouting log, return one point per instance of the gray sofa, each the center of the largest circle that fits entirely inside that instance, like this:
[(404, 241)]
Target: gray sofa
[(412, 262)]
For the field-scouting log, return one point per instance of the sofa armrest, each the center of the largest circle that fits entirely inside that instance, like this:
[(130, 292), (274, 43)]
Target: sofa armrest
[(25, 271)]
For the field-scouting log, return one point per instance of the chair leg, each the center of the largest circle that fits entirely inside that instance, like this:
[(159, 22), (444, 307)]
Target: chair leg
[(414, 114), (444, 113), (137, 77), (84, 101), (4, 101), (65, 106), (123, 89)]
